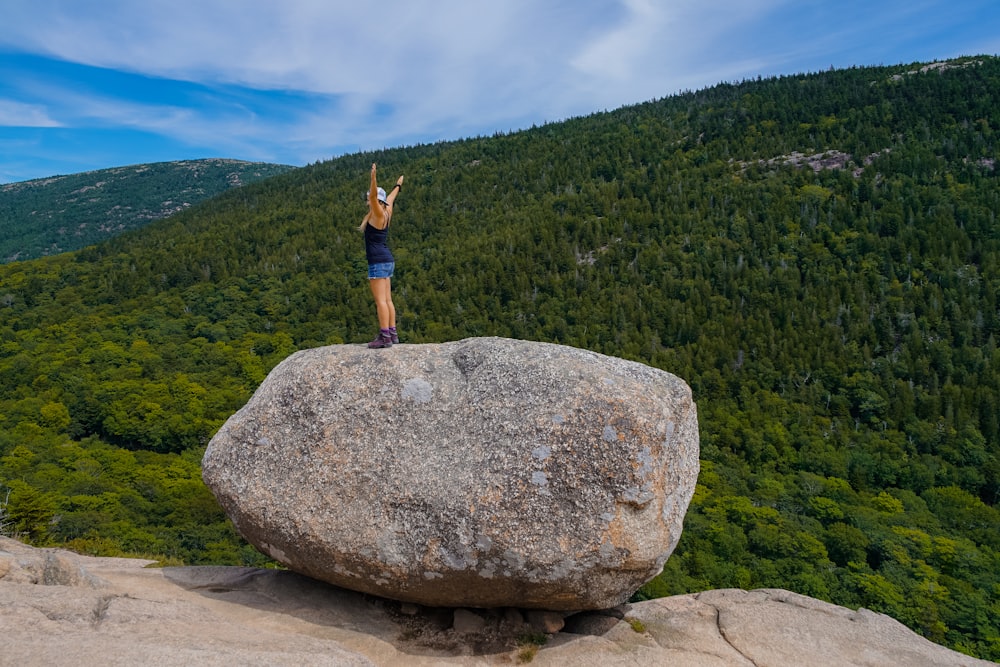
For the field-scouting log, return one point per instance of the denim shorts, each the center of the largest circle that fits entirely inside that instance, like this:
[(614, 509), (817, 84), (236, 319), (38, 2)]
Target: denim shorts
[(381, 270)]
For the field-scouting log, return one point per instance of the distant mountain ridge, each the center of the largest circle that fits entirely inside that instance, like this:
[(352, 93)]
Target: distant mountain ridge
[(48, 216)]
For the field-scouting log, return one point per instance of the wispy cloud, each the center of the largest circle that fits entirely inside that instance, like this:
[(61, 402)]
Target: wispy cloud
[(18, 114)]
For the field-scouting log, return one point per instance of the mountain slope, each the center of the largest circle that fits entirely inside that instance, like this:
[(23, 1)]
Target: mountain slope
[(817, 255), (53, 215)]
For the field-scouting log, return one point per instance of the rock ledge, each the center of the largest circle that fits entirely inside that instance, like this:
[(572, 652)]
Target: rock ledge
[(114, 612)]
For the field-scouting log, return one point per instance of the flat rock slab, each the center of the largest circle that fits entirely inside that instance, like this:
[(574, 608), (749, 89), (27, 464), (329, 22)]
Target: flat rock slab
[(114, 612), (487, 472)]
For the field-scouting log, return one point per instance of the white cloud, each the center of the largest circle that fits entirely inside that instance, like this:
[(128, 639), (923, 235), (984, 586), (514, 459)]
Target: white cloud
[(415, 67), (617, 54), (18, 114), (660, 48), (309, 45)]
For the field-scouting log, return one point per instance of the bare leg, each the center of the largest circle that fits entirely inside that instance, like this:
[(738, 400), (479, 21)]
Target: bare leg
[(388, 300), (383, 302)]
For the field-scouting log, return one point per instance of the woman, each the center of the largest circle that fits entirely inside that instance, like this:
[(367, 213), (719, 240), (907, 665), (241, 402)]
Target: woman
[(375, 227)]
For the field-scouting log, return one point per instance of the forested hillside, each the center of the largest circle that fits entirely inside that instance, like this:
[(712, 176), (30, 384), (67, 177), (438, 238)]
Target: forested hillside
[(48, 216), (817, 255)]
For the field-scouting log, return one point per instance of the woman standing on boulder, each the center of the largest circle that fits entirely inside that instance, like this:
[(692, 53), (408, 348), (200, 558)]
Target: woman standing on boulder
[(375, 227)]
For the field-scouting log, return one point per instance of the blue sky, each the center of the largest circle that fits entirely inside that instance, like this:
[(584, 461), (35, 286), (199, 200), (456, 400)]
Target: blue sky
[(107, 83)]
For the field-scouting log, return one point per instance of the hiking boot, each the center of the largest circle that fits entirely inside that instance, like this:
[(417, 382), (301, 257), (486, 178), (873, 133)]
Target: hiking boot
[(383, 339), (393, 335)]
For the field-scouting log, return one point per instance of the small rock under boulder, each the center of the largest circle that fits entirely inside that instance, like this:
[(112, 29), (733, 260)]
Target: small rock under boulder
[(487, 472)]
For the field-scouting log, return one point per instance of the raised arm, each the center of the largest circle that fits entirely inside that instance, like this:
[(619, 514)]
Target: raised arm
[(375, 213), (391, 197)]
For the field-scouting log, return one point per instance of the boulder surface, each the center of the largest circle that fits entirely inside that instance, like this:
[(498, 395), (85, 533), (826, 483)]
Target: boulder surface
[(486, 472)]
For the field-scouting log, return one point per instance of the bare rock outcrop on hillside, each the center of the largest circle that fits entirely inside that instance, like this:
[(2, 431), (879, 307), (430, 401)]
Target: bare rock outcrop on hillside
[(487, 472), (114, 612)]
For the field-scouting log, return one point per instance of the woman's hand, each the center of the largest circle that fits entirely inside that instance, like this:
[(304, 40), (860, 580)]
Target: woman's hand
[(399, 181)]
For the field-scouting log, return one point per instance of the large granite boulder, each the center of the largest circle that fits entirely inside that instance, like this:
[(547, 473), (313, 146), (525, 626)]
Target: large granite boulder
[(486, 472)]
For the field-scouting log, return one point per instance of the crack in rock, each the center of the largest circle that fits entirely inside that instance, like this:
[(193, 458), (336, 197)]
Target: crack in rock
[(722, 633), (101, 609)]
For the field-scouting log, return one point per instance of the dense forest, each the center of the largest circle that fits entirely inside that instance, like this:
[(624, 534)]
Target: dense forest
[(48, 216), (817, 255)]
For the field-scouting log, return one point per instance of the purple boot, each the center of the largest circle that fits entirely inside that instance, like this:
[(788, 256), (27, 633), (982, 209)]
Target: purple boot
[(383, 339)]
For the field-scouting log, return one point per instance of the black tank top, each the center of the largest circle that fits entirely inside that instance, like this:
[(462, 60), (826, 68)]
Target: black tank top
[(377, 245)]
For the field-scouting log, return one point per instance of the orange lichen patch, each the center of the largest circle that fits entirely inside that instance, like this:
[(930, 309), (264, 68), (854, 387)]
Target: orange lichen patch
[(624, 532), (431, 554)]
